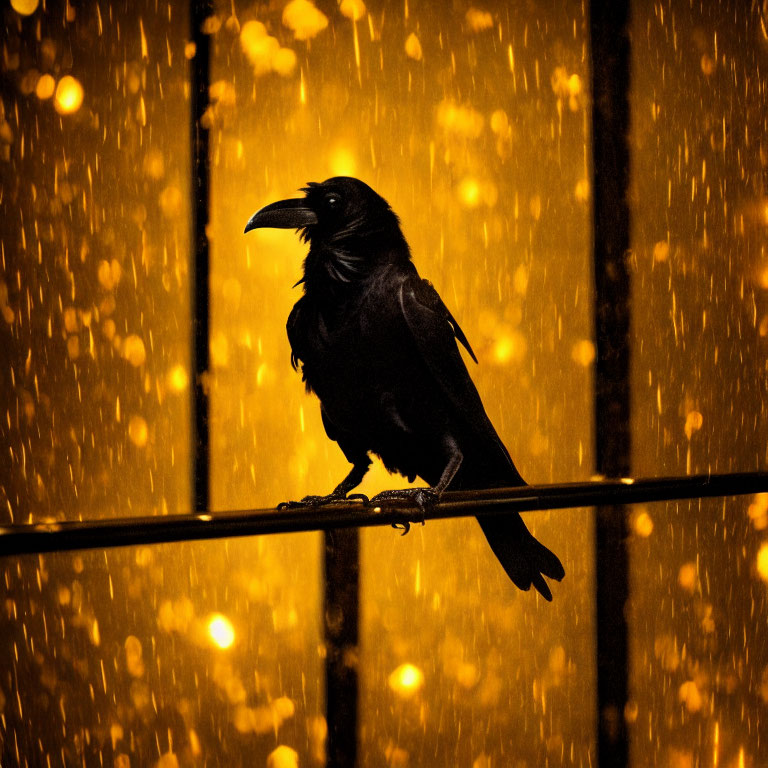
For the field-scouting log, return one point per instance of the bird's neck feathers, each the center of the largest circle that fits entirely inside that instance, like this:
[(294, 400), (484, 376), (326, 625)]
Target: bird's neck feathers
[(342, 264)]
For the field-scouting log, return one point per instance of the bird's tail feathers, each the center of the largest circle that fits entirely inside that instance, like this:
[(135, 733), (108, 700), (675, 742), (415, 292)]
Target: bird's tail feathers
[(525, 559)]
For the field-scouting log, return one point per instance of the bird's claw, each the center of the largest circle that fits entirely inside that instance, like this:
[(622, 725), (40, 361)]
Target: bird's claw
[(319, 501), (423, 497)]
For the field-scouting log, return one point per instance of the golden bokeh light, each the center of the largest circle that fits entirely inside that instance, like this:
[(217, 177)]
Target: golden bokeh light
[(220, 631), (661, 251), (690, 695), (583, 352), (693, 422), (138, 432), (478, 20), (687, 576), (642, 524), (171, 201), (109, 273), (178, 378), (352, 9), (45, 88), (134, 659), (762, 562), (582, 190), (283, 757), (25, 7), (510, 347), (304, 19), (219, 348), (413, 47), (284, 61), (69, 95), (459, 119), (469, 192), (134, 350), (499, 122), (758, 511), (342, 162), (406, 681)]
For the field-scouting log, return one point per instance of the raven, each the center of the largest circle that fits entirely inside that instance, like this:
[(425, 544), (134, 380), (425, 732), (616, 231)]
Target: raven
[(379, 348)]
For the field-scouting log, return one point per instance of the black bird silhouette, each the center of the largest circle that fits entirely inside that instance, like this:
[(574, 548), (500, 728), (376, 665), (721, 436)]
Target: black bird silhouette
[(378, 346)]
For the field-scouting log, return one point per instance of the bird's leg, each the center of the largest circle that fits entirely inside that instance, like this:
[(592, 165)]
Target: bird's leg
[(339, 493), (425, 497)]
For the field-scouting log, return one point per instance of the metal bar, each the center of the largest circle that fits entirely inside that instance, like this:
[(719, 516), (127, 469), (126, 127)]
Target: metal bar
[(123, 532), (610, 57), (200, 10)]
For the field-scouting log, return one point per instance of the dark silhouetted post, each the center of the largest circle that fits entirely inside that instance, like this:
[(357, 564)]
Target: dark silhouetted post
[(341, 618), (610, 143), (200, 10)]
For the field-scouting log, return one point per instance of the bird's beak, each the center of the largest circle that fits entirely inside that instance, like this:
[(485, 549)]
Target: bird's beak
[(284, 214)]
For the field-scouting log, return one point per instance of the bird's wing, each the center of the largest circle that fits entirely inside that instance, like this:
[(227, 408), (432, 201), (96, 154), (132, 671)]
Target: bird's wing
[(291, 328), (435, 331)]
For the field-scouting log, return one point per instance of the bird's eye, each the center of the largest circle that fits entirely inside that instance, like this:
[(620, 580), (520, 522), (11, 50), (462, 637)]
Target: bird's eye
[(332, 201)]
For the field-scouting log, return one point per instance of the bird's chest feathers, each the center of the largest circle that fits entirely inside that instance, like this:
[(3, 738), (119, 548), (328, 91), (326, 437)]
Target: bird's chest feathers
[(350, 356)]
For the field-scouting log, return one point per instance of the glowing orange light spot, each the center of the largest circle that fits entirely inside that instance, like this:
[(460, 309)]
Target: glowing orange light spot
[(469, 192), (342, 162), (71, 323), (413, 47), (45, 87), (171, 201), (178, 379), (643, 525), (284, 61), (478, 20), (582, 190), (283, 757), (574, 85), (461, 120), (73, 347), (221, 631), (499, 122), (661, 251), (109, 273), (304, 19), (509, 347), (69, 95), (352, 9), (406, 680), (134, 351), (708, 65), (693, 422), (25, 7), (219, 351), (583, 353), (762, 562), (690, 695), (134, 660), (686, 577), (137, 431)]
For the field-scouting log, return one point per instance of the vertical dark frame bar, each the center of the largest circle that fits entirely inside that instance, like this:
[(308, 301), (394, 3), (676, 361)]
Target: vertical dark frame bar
[(200, 10), (610, 58), (341, 621)]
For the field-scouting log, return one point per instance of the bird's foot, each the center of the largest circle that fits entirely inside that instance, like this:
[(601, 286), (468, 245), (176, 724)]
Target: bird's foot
[(319, 501), (423, 498)]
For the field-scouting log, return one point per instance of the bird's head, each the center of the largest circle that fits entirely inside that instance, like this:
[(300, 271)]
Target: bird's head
[(338, 213)]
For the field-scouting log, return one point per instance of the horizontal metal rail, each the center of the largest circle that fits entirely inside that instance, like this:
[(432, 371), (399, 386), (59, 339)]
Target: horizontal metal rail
[(131, 531)]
